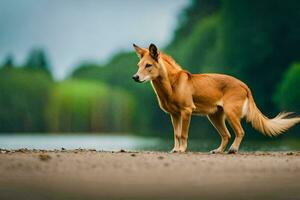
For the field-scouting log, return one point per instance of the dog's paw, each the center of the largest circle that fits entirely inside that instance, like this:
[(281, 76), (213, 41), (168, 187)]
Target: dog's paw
[(232, 151), (216, 151), (182, 150), (174, 150)]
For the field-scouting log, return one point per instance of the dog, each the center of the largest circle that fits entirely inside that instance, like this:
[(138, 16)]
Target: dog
[(218, 96)]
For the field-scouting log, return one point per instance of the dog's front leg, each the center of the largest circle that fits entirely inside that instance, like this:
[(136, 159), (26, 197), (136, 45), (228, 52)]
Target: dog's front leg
[(176, 121), (185, 123)]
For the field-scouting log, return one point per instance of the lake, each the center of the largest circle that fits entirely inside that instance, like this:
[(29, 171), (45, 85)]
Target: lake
[(131, 143)]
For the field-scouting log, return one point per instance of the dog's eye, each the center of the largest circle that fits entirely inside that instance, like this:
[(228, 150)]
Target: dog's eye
[(148, 65)]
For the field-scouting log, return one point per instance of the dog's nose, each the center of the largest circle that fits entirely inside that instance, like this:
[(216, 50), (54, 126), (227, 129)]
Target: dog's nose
[(136, 78)]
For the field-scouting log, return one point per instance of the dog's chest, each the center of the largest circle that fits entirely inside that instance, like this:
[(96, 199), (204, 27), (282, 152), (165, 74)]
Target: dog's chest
[(167, 105), (166, 101)]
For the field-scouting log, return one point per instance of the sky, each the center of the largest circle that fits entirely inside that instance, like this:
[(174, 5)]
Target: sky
[(73, 31)]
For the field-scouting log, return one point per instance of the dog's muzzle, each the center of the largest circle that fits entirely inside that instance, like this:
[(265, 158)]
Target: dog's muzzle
[(136, 78)]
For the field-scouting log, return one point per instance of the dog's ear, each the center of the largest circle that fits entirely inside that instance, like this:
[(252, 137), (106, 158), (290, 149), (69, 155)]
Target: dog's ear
[(153, 52), (139, 51)]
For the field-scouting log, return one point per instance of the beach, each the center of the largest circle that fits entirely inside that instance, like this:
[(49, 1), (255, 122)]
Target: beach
[(91, 174)]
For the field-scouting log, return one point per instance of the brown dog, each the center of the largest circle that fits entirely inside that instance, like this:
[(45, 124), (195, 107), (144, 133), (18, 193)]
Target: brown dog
[(217, 96)]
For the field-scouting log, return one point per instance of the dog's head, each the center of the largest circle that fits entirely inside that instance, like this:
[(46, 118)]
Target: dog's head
[(148, 66)]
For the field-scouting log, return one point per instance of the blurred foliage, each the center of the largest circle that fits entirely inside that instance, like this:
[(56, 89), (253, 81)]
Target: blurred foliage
[(191, 17), (8, 61), (76, 105), (194, 50), (288, 93), (37, 60), (23, 99), (255, 41)]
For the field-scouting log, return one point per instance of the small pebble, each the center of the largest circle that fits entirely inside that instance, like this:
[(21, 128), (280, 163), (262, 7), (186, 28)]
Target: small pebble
[(44, 157), (160, 157)]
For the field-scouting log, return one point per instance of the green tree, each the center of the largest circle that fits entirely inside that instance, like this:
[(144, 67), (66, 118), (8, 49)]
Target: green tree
[(37, 60), (197, 11), (80, 105), (8, 61), (288, 93), (23, 99)]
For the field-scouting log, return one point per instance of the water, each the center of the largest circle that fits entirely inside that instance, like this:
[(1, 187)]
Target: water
[(84, 141), (131, 143)]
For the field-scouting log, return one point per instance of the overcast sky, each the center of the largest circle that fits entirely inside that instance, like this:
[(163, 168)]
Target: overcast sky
[(75, 30)]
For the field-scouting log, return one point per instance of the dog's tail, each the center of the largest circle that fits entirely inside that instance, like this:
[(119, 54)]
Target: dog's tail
[(269, 127)]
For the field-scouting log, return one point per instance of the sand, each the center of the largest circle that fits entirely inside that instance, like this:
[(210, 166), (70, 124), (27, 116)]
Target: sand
[(89, 174)]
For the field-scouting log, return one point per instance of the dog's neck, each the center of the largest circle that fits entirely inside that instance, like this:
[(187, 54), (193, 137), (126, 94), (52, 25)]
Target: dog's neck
[(163, 83)]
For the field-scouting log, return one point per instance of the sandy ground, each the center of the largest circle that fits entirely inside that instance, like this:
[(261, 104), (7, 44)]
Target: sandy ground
[(88, 174)]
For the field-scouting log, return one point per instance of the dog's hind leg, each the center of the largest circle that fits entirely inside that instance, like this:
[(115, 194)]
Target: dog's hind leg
[(233, 114), (218, 121)]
